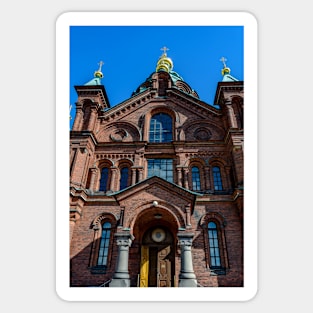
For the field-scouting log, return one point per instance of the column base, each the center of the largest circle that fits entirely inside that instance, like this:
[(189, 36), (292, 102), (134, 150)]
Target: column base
[(120, 282), (188, 282)]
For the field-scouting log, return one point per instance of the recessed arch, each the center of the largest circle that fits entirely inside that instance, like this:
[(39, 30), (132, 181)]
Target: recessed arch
[(214, 216), (202, 130), (119, 132), (104, 226), (162, 109), (172, 216)]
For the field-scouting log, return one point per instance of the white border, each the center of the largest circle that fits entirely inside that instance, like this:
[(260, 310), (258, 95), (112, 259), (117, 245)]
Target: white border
[(63, 23)]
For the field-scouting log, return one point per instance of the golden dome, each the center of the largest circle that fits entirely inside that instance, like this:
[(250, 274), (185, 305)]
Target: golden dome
[(164, 63), (225, 70), (98, 73)]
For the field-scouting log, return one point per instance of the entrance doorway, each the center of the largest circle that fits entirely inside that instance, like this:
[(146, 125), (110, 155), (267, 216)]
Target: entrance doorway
[(157, 259)]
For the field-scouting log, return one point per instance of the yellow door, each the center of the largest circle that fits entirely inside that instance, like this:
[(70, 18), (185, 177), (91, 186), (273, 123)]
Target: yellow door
[(144, 266)]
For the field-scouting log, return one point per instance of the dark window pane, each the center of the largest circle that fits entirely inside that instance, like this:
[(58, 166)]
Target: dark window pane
[(195, 175), (217, 179), (160, 128), (162, 168), (124, 178), (214, 245), (104, 244), (104, 179)]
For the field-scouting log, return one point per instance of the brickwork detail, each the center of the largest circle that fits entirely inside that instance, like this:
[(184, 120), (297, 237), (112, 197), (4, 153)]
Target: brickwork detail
[(203, 136)]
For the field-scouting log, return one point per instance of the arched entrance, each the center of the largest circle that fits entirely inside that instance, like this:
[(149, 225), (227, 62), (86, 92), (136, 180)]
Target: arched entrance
[(157, 266)]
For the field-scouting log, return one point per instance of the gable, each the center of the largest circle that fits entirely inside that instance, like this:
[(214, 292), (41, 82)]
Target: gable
[(157, 189), (129, 121)]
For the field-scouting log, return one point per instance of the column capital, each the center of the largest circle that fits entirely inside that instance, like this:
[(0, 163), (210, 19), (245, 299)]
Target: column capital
[(124, 238), (185, 239)]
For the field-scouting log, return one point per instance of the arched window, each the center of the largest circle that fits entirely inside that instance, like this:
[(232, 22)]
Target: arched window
[(215, 259), (104, 245), (104, 179), (124, 178), (217, 178), (160, 128), (195, 175)]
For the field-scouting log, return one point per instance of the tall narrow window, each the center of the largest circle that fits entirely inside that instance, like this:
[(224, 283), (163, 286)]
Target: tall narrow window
[(160, 128), (104, 179), (162, 168), (217, 179), (124, 178), (104, 245), (214, 246), (196, 185)]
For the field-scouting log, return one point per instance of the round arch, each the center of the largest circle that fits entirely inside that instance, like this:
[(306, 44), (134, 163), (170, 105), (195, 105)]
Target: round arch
[(150, 213), (160, 109), (212, 216)]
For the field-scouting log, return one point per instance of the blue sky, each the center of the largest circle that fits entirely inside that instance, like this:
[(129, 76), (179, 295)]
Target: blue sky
[(130, 54)]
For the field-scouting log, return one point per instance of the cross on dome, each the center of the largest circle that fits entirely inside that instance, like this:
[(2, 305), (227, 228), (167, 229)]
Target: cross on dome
[(164, 49), (225, 70), (98, 73), (100, 65), (222, 59), (164, 62)]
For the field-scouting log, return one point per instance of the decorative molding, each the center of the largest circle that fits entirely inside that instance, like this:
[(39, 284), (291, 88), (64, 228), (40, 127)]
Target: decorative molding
[(115, 156)]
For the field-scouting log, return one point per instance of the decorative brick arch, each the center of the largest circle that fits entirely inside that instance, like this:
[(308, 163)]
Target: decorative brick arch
[(221, 223), (200, 164), (202, 130), (124, 163), (219, 218), (96, 225), (175, 216), (159, 109), (119, 132), (224, 170)]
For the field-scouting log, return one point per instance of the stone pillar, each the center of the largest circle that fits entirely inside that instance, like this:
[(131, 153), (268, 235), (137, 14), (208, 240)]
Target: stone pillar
[(134, 175), (179, 176), (231, 115), (188, 216), (75, 214), (121, 276), (113, 178), (92, 119), (78, 118), (92, 178), (140, 173), (227, 178), (187, 277), (186, 185), (207, 178)]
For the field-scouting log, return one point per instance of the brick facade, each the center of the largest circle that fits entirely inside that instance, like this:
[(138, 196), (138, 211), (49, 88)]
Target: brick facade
[(117, 138)]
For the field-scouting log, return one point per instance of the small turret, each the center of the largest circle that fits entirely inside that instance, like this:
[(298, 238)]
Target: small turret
[(92, 99)]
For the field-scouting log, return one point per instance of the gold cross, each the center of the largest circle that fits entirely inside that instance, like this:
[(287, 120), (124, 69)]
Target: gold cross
[(223, 60), (164, 50), (100, 65)]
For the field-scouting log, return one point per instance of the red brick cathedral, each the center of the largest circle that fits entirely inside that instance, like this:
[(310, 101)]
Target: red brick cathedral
[(156, 185)]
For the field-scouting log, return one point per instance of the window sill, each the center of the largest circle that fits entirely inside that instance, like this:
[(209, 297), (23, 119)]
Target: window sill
[(98, 269), (217, 271)]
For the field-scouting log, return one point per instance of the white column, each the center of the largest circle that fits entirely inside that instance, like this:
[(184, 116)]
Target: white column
[(187, 277), (121, 276)]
